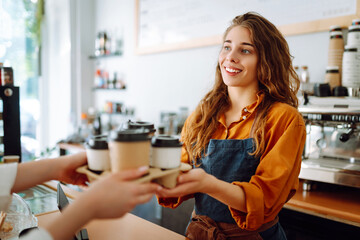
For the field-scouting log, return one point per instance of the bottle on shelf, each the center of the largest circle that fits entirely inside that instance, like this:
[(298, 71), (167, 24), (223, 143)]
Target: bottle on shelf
[(304, 74), (85, 127), (297, 70), (96, 130), (356, 21), (305, 85)]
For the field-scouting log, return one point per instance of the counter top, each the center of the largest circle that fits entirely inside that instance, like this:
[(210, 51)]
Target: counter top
[(127, 227), (341, 204)]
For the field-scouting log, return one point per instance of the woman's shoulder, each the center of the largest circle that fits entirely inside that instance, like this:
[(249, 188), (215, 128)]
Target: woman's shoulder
[(283, 111)]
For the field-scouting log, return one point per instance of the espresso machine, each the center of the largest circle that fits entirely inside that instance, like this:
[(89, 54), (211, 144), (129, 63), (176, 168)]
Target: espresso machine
[(332, 148)]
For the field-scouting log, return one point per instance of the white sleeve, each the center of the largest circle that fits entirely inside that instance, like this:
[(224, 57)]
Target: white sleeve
[(37, 234), (7, 177)]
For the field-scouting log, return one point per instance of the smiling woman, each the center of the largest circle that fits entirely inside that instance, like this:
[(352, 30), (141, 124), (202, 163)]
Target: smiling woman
[(238, 138)]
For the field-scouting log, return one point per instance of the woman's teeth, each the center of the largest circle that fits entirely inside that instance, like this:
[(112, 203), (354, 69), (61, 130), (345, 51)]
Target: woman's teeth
[(232, 70)]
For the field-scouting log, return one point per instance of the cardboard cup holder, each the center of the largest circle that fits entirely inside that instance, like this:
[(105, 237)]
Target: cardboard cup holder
[(164, 177)]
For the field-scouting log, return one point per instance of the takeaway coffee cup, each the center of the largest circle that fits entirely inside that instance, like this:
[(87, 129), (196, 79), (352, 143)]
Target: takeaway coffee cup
[(97, 153), (166, 152), (129, 148)]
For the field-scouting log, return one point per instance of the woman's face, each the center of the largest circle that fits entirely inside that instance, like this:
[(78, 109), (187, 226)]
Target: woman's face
[(238, 59)]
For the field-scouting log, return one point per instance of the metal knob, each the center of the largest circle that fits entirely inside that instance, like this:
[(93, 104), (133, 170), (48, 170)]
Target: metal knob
[(346, 136)]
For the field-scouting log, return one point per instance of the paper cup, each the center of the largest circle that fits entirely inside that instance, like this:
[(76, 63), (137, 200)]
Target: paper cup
[(97, 153), (166, 152), (129, 149)]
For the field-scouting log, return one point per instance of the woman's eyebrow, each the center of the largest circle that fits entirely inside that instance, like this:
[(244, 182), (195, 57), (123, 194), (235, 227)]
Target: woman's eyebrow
[(243, 43)]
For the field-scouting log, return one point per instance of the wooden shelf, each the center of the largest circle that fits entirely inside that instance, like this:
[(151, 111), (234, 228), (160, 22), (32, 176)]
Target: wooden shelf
[(105, 55), (108, 89)]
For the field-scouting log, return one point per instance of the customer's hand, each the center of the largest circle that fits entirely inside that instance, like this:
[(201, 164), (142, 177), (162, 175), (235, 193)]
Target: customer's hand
[(67, 168), (116, 194), (108, 197)]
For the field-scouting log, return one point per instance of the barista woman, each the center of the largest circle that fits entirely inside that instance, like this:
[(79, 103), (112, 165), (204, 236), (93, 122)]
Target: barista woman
[(245, 138)]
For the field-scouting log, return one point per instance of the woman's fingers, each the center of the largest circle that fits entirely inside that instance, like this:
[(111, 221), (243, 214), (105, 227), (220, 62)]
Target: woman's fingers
[(180, 190), (191, 176), (132, 173)]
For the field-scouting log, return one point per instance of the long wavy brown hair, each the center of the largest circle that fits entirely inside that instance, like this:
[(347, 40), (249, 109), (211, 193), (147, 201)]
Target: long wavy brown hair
[(277, 80)]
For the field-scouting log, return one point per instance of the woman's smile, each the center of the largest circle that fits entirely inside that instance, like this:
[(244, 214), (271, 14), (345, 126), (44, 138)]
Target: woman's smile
[(232, 71)]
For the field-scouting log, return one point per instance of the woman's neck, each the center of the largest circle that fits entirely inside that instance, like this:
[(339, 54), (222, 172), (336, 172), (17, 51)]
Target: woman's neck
[(240, 98)]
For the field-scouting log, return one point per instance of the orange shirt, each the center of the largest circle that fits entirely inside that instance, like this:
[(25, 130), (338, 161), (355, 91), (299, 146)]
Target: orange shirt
[(276, 177)]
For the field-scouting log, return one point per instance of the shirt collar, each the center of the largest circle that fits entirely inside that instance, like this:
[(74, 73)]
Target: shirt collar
[(251, 107)]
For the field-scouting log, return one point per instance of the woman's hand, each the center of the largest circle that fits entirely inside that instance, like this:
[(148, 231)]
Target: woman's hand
[(67, 168), (196, 180)]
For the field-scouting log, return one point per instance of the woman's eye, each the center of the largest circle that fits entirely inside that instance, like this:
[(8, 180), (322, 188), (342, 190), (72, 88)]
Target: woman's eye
[(227, 48), (245, 51)]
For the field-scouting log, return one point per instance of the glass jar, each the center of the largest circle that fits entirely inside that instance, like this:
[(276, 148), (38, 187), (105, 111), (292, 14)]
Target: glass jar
[(304, 74)]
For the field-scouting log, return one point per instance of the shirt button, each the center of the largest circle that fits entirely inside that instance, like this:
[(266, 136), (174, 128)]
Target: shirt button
[(245, 110), (244, 117)]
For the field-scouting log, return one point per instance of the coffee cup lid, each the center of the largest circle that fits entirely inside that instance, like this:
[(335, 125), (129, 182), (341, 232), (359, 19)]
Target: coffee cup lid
[(97, 142), (165, 141), (140, 124), (130, 135)]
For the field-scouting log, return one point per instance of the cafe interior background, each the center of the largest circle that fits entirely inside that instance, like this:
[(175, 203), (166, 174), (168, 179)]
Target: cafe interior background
[(70, 78), (57, 77)]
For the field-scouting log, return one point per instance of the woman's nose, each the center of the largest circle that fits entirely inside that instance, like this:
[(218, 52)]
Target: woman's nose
[(232, 57)]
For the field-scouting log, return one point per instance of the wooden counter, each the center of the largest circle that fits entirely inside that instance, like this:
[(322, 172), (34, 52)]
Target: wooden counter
[(127, 227), (342, 204)]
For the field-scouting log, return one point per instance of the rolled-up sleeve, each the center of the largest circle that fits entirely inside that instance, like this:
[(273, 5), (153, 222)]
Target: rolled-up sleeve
[(276, 178)]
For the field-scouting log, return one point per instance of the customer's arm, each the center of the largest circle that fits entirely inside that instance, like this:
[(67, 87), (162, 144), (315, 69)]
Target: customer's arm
[(62, 168), (110, 197)]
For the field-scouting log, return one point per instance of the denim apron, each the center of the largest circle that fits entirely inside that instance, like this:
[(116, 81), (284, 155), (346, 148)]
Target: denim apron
[(229, 160)]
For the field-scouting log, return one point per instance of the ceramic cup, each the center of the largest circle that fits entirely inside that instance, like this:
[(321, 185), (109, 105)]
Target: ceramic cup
[(166, 152), (129, 148), (97, 153)]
